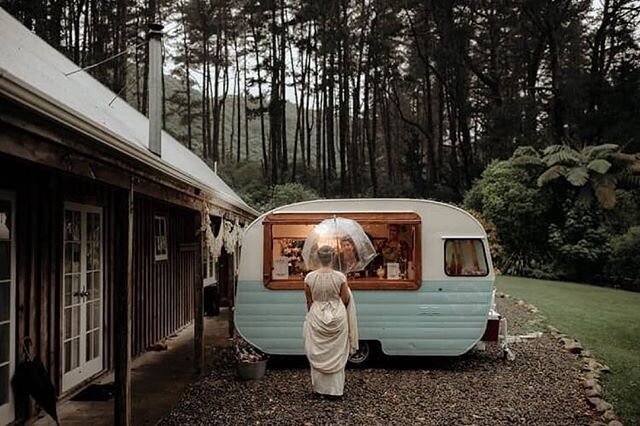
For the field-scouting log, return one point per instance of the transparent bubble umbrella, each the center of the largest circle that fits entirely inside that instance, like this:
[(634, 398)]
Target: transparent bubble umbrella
[(353, 249)]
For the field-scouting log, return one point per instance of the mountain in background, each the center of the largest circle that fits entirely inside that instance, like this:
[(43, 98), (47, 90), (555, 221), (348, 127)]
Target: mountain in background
[(176, 122)]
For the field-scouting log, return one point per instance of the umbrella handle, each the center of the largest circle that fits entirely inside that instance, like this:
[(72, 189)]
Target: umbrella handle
[(26, 347)]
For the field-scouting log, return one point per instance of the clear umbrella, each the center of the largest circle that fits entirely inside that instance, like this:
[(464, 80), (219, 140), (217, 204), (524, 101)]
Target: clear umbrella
[(353, 249)]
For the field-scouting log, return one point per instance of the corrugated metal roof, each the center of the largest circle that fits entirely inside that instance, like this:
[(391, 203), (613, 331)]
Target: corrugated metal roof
[(41, 69)]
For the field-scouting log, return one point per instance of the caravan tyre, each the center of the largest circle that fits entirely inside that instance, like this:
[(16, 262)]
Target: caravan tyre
[(363, 355)]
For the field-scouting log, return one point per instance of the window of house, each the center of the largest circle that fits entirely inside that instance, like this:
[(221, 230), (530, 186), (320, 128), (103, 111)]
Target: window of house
[(160, 247), (465, 257), (208, 267), (395, 236)]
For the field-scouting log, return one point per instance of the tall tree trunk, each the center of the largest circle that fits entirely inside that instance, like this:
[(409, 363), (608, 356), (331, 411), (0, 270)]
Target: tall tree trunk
[(187, 54), (216, 104), (310, 123), (223, 101), (275, 123), (453, 135), (371, 131), (557, 104), (265, 157), (205, 100), (318, 117), (283, 87), (386, 126), (120, 44), (232, 136), (246, 96), (329, 116), (237, 80), (139, 105), (298, 117)]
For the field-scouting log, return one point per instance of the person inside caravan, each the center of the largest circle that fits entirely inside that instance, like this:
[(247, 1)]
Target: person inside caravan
[(348, 256), (329, 330), (394, 248)]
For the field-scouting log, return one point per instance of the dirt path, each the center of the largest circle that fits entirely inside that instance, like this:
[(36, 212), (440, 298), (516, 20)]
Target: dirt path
[(541, 387)]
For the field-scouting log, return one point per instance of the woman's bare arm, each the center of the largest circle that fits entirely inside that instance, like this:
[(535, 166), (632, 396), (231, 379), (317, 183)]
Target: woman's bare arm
[(307, 294), (344, 293)]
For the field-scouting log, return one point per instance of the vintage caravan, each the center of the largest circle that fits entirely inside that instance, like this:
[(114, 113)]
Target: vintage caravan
[(429, 291)]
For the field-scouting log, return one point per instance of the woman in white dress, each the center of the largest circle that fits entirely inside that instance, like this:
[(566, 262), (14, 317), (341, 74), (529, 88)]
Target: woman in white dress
[(328, 337)]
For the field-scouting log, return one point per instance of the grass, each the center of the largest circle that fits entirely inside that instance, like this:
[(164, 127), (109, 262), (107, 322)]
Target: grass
[(606, 321)]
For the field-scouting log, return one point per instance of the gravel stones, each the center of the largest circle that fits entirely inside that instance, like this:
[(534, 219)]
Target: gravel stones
[(541, 387)]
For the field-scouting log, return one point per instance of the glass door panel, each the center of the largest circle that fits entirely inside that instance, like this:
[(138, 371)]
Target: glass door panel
[(7, 305), (82, 308)]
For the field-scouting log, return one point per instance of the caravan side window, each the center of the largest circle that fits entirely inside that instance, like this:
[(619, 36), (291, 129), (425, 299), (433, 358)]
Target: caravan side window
[(395, 236), (465, 257)]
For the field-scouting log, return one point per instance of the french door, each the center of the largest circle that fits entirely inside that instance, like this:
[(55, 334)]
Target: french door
[(82, 307), (7, 305)]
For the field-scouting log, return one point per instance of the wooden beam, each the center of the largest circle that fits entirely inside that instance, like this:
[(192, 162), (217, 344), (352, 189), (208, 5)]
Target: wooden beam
[(100, 160), (123, 312), (198, 308)]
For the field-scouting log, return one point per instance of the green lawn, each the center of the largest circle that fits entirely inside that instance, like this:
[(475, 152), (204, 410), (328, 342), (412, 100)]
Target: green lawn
[(604, 320)]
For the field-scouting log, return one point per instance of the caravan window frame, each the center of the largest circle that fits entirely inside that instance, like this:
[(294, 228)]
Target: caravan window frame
[(447, 240), (313, 218)]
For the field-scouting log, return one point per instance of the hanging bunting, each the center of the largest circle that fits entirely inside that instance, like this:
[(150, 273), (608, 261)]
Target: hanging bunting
[(213, 243)]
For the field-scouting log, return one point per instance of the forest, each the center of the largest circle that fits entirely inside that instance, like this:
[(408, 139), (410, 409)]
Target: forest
[(524, 111)]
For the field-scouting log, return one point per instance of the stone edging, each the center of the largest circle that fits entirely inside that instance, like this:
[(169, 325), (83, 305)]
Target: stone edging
[(591, 370)]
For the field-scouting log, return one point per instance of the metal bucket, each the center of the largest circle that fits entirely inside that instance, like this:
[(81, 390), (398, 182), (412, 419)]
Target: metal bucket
[(251, 370)]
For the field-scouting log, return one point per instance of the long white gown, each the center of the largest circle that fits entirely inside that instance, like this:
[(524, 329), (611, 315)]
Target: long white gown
[(328, 337)]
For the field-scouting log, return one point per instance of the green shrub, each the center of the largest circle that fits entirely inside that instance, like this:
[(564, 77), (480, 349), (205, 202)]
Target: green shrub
[(265, 198), (626, 212), (624, 261), (508, 197), (497, 251), (580, 243)]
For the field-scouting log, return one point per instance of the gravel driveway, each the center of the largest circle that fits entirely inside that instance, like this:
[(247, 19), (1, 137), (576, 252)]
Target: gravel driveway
[(541, 387)]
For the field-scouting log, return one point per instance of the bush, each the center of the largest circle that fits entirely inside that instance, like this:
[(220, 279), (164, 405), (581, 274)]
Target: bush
[(265, 198), (288, 193), (497, 251), (624, 261), (580, 244), (508, 197), (625, 214)]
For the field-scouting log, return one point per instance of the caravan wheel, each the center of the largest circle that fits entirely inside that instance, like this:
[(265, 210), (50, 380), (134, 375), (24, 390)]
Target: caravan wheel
[(363, 355)]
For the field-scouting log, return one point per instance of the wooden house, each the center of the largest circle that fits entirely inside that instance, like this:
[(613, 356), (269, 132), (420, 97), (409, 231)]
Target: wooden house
[(100, 237)]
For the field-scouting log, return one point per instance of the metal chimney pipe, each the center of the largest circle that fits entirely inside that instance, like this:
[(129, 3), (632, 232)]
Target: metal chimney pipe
[(154, 37)]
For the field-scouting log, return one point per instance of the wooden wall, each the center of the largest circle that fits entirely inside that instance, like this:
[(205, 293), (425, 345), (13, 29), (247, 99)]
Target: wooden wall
[(162, 290), (40, 196)]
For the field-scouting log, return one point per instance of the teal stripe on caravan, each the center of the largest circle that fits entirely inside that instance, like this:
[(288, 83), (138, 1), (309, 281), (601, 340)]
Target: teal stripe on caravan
[(441, 318)]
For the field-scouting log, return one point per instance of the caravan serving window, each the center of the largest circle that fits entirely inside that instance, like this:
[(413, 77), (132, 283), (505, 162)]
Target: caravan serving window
[(395, 236), (465, 257)]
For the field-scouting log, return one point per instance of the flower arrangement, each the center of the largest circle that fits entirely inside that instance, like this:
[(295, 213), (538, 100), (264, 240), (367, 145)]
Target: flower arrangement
[(293, 250), (244, 352)]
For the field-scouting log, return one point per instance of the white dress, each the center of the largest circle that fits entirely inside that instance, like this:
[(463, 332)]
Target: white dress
[(326, 332)]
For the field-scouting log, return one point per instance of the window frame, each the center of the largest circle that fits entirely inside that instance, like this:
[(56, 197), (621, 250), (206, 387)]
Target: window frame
[(464, 238), (209, 267), (365, 218), (164, 256)]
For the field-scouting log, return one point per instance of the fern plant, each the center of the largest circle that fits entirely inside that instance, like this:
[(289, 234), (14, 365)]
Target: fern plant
[(594, 171)]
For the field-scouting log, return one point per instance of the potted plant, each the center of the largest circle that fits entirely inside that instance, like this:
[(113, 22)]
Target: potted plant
[(251, 362)]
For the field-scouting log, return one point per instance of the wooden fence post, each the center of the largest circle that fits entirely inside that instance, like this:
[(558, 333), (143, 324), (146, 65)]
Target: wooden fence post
[(198, 308), (123, 315)]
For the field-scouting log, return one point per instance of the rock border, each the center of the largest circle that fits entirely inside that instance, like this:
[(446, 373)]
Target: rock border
[(591, 369)]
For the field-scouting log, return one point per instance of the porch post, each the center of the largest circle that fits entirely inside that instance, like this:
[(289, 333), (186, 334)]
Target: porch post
[(123, 314), (198, 308)]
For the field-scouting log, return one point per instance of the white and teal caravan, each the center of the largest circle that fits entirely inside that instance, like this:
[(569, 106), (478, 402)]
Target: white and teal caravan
[(437, 301)]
